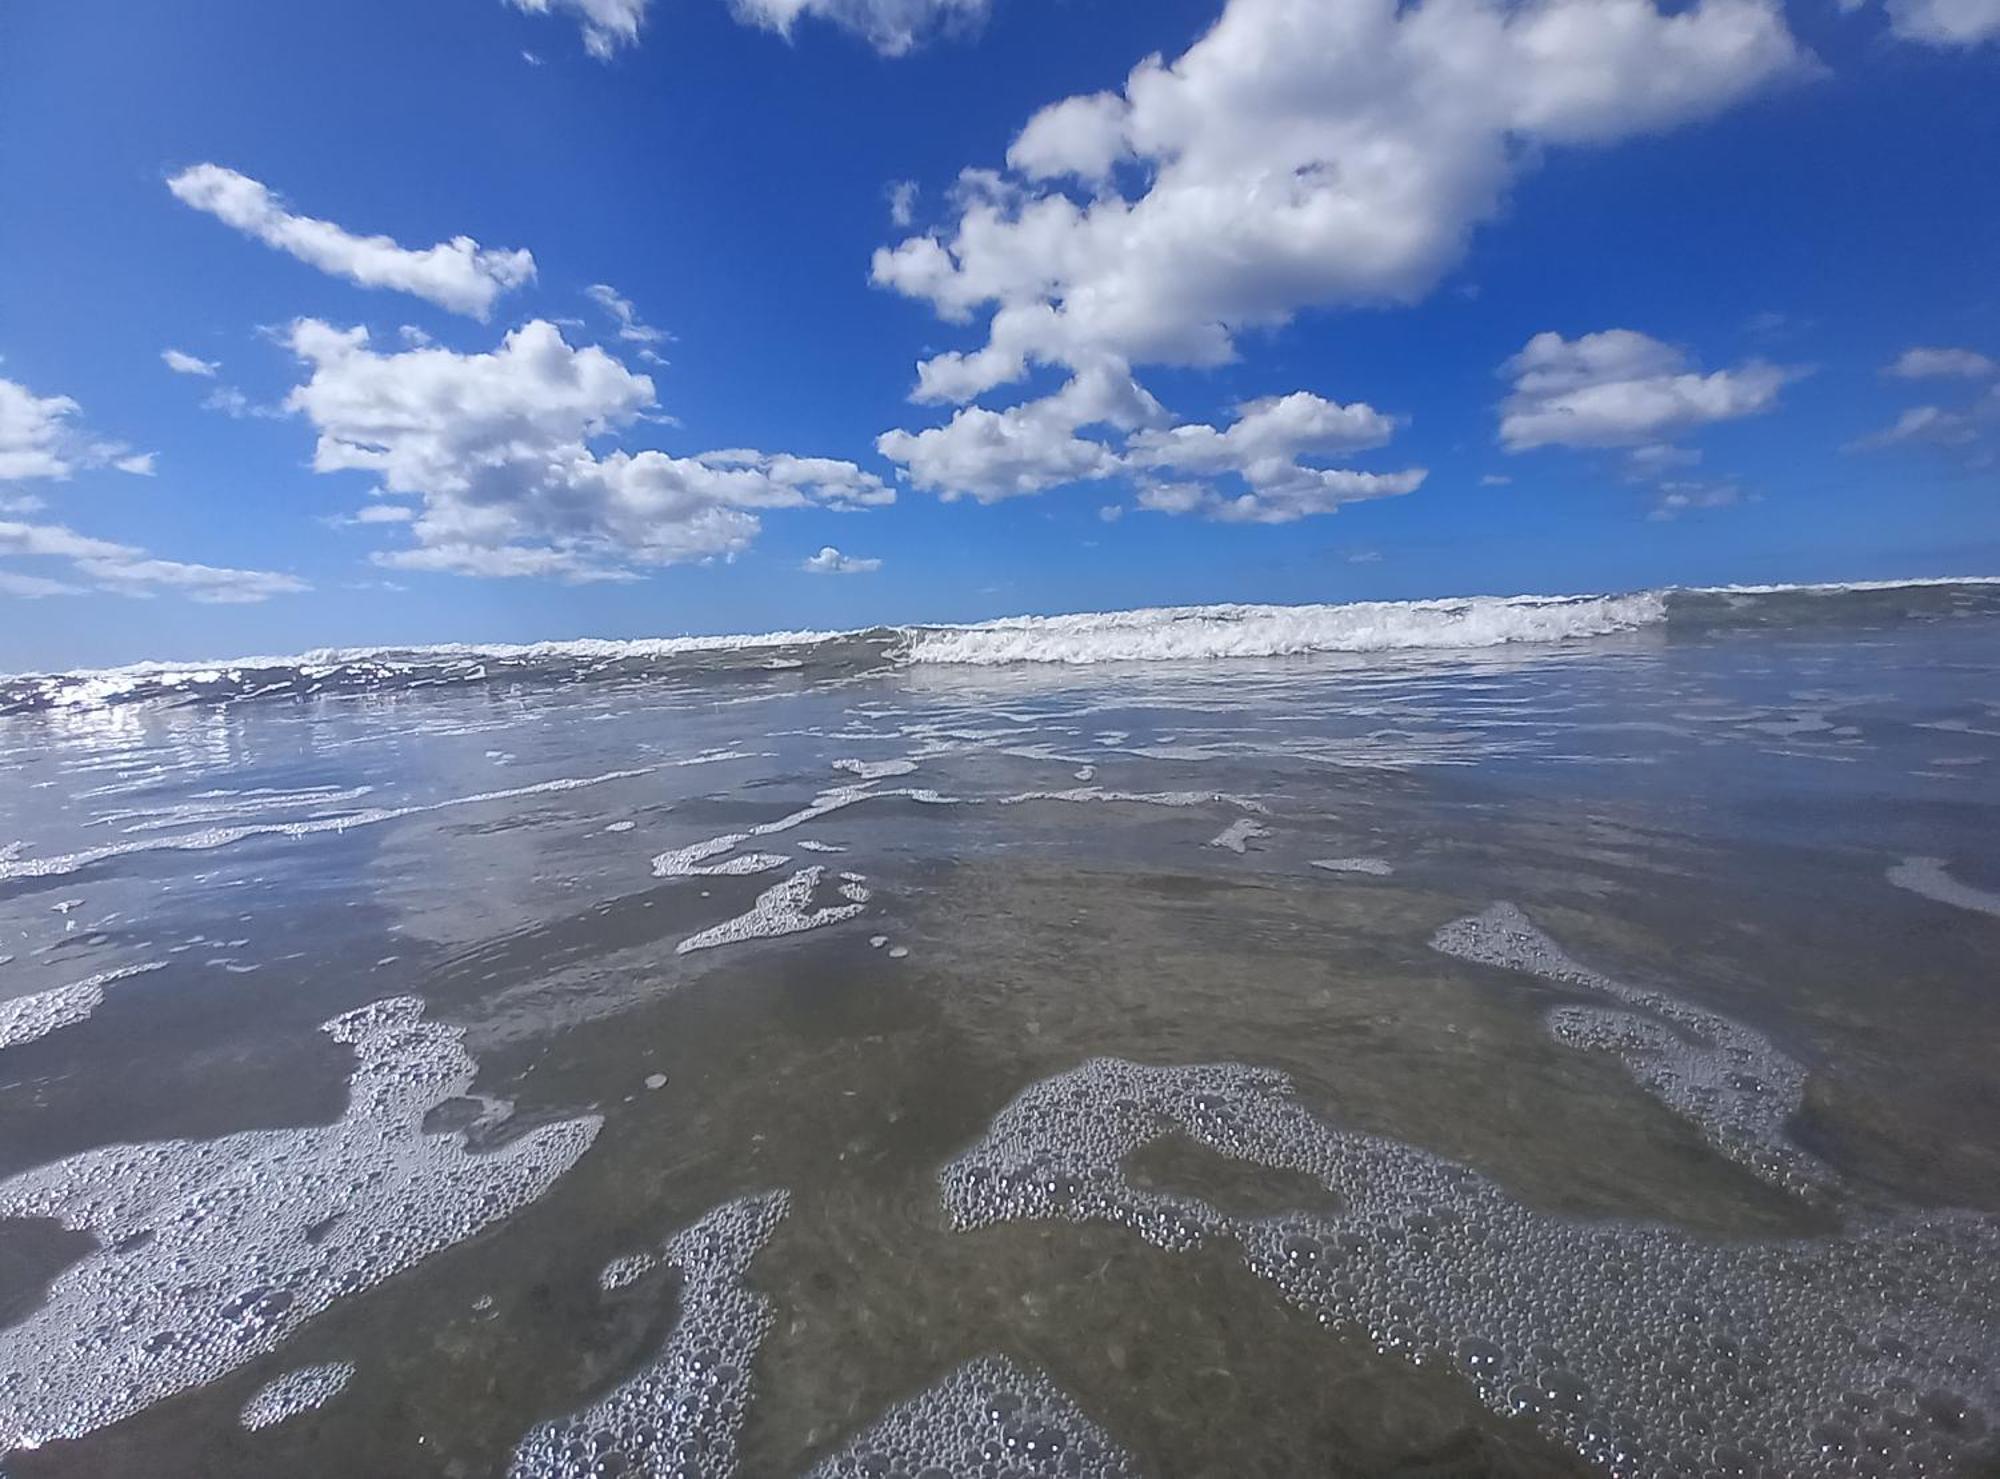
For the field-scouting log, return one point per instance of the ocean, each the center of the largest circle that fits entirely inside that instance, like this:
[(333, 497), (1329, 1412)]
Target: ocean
[(1492, 1036)]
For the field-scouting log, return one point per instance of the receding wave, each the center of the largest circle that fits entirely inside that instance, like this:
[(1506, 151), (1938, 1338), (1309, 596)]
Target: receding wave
[(1165, 634)]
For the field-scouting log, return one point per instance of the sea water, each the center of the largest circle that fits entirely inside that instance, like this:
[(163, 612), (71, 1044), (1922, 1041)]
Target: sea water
[(1512, 1035)]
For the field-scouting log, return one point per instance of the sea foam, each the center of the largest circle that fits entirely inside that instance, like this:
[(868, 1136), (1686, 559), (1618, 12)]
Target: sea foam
[(1190, 633), (212, 1253), (1647, 1351), (681, 1413)]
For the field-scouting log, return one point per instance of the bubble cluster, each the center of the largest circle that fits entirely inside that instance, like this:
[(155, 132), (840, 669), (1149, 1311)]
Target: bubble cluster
[(875, 770), (295, 1392), (1376, 867), (212, 1253), (681, 1415), (1729, 1079), (1645, 1350), (987, 1419), (28, 1019), (1239, 834), (1142, 798), (782, 909)]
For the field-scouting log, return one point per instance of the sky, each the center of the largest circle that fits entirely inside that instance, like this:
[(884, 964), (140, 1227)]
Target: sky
[(510, 320)]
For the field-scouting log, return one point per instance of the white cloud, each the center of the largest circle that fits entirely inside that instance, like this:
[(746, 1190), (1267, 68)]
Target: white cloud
[(1656, 459), (458, 275), (1679, 498), (892, 27), (1936, 364), (630, 327), (830, 561), (1938, 426), (1035, 446), (1263, 448), (1945, 22), (1619, 388), (188, 364), (40, 438), (1267, 437), (1495, 480), (902, 196), (607, 24), (1303, 153), (128, 570), (1029, 448), (34, 431), (234, 404), (496, 446), (22, 503), (1302, 492), (385, 513), (36, 587), (1111, 513)]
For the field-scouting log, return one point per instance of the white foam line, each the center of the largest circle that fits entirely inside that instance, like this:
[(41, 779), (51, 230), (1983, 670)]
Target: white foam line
[(1374, 866), (1927, 876), (689, 861), (779, 910), (1141, 798), (28, 1019), (214, 837)]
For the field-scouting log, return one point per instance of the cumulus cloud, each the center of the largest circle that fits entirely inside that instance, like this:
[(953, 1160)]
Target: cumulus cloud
[(128, 570), (1945, 22), (188, 364), (902, 197), (1029, 448), (496, 446), (892, 27), (607, 24), (1941, 364), (40, 437), (458, 275), (1303, 153), (1252, 470), (830, 561), (1263, 449), (1619, 388)]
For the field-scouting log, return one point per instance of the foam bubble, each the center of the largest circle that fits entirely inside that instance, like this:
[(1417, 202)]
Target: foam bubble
[(1376, 867), (693, 860), (1142, 798), (1730, 1080), (1645, 1350), (212, 1253), (27, 1019), (304, 1390), (875, 770), (1927, 876), (682, 1414), (988, 1418), (1238, 835), (782, 909)]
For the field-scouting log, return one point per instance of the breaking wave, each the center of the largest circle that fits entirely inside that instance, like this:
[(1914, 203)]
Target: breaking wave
[(1165, 634)]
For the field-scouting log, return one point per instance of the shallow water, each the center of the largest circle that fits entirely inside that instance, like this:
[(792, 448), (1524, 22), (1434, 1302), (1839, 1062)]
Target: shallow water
[(1690, 1162)]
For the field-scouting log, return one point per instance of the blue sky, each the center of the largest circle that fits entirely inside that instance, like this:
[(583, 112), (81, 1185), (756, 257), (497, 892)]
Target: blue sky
[(1270, 322)]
